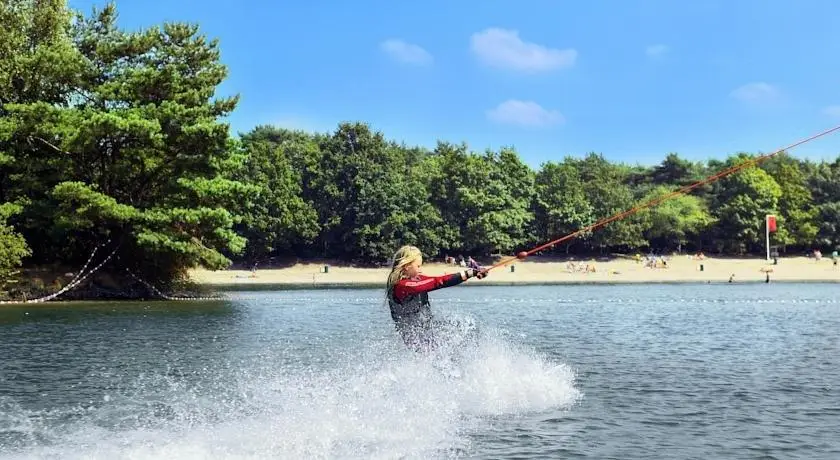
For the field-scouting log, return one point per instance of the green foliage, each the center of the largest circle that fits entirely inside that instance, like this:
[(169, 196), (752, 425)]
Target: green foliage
[(798, 213), (605, 185), (828, 234), (676, 221), (741, 203), (82, 207), (131, 149), (13, 247), (484, 199), (560, 205), (369, 199), (37, 60), (109, 135), (277, 217)]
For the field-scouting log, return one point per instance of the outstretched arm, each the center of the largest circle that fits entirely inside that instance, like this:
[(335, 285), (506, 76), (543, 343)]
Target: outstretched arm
[(430, 283)]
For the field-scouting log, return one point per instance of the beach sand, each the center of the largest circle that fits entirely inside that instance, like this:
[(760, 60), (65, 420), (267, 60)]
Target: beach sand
[(536, 270)]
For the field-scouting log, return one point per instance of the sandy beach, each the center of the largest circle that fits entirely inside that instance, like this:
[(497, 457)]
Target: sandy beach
[(543, 271)]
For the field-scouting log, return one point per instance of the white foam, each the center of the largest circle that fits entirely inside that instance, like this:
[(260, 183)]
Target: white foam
[(381, 401)]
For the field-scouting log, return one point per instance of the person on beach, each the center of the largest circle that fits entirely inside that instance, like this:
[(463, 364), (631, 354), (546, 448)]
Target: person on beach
[(408, 296)]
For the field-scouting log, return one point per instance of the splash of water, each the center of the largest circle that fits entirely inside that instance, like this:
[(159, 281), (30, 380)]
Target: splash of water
[(380, 401)]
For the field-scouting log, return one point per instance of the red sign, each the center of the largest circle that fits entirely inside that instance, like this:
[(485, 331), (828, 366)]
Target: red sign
[(771, 223)]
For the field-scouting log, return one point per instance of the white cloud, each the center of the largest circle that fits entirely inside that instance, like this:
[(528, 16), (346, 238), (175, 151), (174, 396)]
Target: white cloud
[(503, 48), (406, 52), (654, 51), (524, 113), (832, 111), (755, 92)]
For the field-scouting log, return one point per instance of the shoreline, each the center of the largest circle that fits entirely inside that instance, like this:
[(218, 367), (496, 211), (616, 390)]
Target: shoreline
[(680, 270), (536, 271), (362, 286)]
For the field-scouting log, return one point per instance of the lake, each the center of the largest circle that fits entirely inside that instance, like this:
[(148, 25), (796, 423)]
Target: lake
[(673, 371)]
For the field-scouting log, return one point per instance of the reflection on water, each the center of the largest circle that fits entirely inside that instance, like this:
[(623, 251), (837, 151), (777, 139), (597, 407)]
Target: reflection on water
[(77, 311)]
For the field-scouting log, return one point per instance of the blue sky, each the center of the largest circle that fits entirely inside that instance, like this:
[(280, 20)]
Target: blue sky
[(633, 80)]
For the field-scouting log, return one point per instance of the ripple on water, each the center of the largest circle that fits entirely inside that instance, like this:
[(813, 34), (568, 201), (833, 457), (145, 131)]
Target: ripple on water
[(683, 371)]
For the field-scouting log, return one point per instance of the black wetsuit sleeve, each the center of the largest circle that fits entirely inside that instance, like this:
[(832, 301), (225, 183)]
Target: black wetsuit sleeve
[(453, 280)]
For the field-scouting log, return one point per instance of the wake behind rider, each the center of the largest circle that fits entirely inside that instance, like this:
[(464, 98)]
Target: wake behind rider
[(408, 298)]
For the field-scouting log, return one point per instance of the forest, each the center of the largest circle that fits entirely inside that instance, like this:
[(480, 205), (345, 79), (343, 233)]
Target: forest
[(117, 140)]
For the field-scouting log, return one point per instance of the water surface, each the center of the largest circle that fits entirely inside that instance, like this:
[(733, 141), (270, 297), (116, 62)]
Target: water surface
[(618, 371)]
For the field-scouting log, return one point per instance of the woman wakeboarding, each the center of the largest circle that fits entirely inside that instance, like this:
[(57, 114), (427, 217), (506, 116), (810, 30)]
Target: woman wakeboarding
[(408, 298)]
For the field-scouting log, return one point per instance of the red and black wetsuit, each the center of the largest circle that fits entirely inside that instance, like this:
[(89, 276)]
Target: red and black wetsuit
[(410, 308)]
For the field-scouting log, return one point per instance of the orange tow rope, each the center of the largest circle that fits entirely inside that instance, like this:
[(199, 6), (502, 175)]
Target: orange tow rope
[(522, 255)]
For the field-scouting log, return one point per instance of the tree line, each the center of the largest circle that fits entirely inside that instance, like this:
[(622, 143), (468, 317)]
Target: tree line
[(116, 138)]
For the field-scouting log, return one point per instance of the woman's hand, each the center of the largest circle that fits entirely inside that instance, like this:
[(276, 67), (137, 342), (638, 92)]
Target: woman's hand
[(480, 274)]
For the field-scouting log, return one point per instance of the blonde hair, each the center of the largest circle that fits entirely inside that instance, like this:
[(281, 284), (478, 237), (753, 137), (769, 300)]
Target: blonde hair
[(404, 256)]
